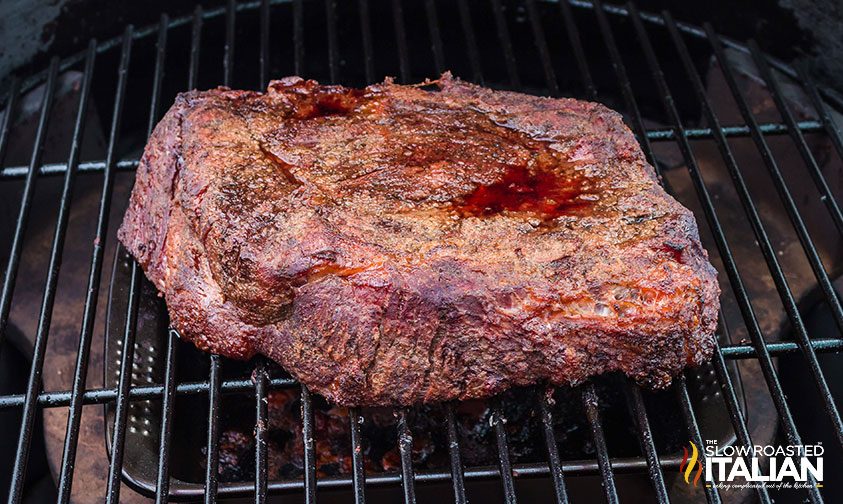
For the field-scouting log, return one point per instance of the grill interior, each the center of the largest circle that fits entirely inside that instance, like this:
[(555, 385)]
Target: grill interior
[(731, 132)]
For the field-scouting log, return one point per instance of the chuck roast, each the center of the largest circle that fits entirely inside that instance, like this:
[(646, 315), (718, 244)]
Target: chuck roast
[(404, 244)]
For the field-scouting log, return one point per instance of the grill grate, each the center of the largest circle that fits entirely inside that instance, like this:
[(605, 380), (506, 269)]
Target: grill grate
[(125, 393)]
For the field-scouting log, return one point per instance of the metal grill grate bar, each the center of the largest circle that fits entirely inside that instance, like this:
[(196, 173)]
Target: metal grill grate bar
[(822, 109), (541, 46), (781, 348), (470, 41), (405, 448), (75, 412), (127, 353), (435, 36), (10, 106), (115, 467), (645, 436), (104, 395), (401, 40), (158, 77), (309, 453), (333, 44), (228, 52), (552, 448), (733, 131), (162, 482), (212, 441), (457, 469), (195, 48), (358, 464), (264, 41), (506, 45), (261, 448), (626, 86), (366, 30), (391, 479), (298, 37), (579, 52), (589, 400), (498, 421)]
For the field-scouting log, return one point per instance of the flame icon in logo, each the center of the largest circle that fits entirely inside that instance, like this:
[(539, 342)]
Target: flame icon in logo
[(689, 464)]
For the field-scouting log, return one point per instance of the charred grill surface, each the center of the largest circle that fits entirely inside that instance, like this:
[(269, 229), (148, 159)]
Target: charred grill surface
[(400, 244)]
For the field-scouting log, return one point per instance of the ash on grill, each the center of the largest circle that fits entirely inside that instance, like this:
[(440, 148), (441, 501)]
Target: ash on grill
[(430, 443)]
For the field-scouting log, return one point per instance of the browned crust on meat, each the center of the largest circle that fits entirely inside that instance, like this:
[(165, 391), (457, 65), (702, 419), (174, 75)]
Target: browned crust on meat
[(358, 239)]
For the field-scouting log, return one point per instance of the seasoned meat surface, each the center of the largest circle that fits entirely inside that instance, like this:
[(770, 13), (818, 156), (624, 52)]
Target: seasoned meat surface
[(404, 244)]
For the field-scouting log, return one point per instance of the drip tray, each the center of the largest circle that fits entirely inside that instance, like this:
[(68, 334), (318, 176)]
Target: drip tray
[(331, 424)]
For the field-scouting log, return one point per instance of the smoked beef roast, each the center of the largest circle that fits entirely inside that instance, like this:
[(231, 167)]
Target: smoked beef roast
[(403, 244)]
